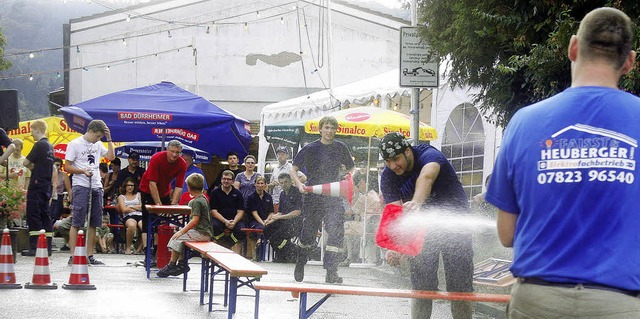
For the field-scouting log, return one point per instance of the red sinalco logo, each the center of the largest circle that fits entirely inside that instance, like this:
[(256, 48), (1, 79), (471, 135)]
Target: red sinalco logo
[(357, 117)]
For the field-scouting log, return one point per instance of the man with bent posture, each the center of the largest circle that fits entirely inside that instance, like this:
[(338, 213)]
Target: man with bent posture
[(566, 185)]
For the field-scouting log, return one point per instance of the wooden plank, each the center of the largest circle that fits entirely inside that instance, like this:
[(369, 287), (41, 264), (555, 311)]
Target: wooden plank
[(236, 265), (169, 209), (382, 292), (207, 246)]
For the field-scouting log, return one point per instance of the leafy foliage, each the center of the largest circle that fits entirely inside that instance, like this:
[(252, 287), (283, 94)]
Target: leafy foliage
[(514, 52), (4, 64), (12, 202)]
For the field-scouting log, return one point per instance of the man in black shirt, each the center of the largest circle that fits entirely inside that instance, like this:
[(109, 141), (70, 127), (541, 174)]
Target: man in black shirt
[(232, 159), (133, 170), (285, 224), (227, 209), (40, 162)]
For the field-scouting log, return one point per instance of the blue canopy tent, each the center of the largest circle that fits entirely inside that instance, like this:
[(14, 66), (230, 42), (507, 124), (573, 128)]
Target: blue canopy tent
[(164, 111), (147, 149)]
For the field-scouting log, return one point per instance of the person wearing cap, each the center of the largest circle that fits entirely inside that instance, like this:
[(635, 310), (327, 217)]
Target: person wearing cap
[(566, 184), (132, 170), (322, 160), (191, 168), (282, 153), (110, 191), (421, 178)]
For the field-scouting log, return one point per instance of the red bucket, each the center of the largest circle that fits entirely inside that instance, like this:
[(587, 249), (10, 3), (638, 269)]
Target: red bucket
[(391, 234)]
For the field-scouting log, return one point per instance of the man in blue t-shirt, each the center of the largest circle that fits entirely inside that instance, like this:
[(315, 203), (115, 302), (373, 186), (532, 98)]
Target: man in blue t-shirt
[(566, 185), (321, 161), (421, 177)]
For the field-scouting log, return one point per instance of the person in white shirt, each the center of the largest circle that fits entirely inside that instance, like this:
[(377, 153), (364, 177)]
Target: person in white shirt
[(82, 160)]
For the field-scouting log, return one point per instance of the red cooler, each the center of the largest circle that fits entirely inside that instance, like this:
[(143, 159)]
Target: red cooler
[(165, 231)]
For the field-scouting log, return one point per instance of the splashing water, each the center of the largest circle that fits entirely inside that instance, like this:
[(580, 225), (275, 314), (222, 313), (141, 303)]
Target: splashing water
[(412, 225)]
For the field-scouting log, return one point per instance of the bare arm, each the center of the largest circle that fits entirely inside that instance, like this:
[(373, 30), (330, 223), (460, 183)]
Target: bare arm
[(257, 217), (506, 227), (175, 196), (6, 154), (427, 177), (236, 219), (296, 181), (215, 214), (153, 189), (111, 154), (26, 163), (192, 223)]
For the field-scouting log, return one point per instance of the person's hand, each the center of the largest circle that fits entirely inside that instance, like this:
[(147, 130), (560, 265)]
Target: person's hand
[(175, 236), (107, 133), (410, 205), (393, 258), (301, 189)]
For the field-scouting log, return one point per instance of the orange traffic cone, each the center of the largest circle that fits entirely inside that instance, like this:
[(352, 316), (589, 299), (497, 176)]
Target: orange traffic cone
[(79, 278), (7, 274), (343, 188), (41, 277)]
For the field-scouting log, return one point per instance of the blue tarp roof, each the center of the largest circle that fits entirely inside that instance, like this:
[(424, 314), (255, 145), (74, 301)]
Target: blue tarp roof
[(141, 114)]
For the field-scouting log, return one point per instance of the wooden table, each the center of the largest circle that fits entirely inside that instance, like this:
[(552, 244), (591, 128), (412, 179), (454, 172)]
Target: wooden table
[(158, 214)]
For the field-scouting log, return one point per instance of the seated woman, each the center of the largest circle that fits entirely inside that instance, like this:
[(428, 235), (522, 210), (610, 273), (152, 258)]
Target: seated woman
[(130, 207), (260, 205)]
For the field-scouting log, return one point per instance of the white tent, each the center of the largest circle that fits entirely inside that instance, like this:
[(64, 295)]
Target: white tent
[(377, 90)]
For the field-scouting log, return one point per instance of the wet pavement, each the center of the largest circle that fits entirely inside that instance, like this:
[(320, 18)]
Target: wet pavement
[(124, 292)]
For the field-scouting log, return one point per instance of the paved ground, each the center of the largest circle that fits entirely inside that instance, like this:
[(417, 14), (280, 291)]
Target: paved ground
[(124, 292)]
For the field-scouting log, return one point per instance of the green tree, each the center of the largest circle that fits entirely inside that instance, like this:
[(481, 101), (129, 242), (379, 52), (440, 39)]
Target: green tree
[(514, 52), (4, 64)]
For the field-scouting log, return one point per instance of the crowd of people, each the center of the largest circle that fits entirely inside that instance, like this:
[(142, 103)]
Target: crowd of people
[(560, 268)]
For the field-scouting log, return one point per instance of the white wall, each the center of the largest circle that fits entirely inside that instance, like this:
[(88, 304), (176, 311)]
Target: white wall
[(365, 44)]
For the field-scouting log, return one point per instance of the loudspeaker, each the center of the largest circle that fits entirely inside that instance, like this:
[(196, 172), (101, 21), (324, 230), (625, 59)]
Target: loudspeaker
[(9, 116)]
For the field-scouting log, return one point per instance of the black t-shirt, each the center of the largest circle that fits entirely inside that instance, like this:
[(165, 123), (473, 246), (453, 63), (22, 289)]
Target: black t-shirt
[(264, 205), (226, 204), (124, 174), (41, 156), (4, 141)]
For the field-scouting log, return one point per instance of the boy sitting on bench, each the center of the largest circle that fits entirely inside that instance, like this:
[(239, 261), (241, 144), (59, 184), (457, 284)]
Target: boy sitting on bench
[(198, 229)]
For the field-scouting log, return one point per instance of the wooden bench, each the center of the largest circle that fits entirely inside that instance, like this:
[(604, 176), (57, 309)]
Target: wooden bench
[(235, 268), (202, 248), (301, 291), (260, 234)]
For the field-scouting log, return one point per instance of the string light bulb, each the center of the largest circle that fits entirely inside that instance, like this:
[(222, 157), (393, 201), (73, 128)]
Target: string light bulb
[(128, 19), (208, 30), (124, 42), (107, 68), (258, 14), (246, 26), (30, 77), (58, 74), (282, 20), (169, 33), (77, 49), (31, 55)]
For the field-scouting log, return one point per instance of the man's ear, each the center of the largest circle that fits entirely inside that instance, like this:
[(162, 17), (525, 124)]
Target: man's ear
[(572, 51), (629, 62)]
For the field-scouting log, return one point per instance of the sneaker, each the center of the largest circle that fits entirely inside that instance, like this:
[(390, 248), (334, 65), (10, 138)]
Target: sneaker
[(332, 277), (94, 262), (29, 253), (164, 272), (298, 273), (65, 248), (169, 270), (184, 267)]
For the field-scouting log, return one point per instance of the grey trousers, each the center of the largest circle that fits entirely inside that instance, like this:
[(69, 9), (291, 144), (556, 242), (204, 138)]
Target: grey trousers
[(529, 301)]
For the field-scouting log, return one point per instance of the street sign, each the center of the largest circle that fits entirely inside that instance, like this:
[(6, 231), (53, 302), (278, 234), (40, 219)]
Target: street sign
[(415, 70)]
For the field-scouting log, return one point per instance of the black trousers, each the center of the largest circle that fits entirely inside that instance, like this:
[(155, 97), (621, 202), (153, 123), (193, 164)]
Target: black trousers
[(38, 214)]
